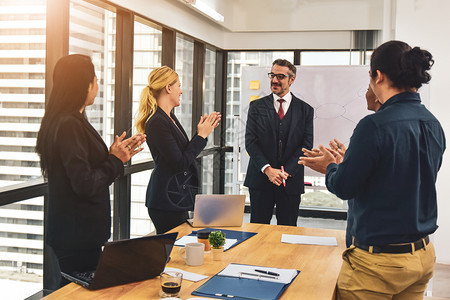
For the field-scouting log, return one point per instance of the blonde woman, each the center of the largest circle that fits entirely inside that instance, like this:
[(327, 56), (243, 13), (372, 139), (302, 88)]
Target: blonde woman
[(174, 180)]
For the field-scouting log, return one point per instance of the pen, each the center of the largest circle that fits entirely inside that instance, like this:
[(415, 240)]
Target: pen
[(258, 275), (267, 272), (282, 171)]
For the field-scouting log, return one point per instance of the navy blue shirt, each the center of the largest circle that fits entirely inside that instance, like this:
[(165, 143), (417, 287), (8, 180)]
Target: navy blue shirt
[(390, 170)]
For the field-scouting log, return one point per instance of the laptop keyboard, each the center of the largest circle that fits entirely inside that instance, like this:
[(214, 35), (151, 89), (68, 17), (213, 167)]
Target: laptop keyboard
[(86, 276)]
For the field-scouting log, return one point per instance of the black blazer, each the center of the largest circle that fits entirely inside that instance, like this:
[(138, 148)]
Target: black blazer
[(79, 174), (261, 142), (174, 180)]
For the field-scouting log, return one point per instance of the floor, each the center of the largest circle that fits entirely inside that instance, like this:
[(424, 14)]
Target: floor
[(440, 284)]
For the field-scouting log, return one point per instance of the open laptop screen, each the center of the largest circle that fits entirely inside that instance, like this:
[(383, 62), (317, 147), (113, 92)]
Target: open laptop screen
[(218, 210)]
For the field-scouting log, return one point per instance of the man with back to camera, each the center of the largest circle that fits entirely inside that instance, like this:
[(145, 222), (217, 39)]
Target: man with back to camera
[(278, 127)]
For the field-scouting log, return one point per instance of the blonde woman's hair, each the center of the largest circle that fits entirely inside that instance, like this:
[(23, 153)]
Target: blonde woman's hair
[(158, 79)]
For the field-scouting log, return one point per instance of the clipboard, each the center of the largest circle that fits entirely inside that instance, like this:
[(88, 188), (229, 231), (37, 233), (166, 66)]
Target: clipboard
[(240, 236), (238, 288)]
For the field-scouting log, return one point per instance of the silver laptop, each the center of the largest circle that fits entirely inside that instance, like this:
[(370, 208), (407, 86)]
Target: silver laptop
[(218, 210)]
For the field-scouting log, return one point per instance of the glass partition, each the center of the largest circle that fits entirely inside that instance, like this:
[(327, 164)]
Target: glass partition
[(208, 107), (184, 66), (140, 223), (207, 175), (22, 103), (92, 32), (327, 58), (209, 93), (21, 248), (22, 88), (146, 57)]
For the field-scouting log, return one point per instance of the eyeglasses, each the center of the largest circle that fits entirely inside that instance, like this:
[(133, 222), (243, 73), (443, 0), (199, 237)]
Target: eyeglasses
[(279, 76)]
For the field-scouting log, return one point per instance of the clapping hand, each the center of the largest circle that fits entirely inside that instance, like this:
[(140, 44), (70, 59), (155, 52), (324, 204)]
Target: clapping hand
[(126, 149), (317, 159), (208, 123), (338, 150)]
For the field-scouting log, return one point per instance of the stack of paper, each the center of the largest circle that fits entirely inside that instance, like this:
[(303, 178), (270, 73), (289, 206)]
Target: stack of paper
[(255, 272), (267, 284), (308, 240), (187, 275)]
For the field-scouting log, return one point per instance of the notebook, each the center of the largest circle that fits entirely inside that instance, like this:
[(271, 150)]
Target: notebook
[(218, 210), (127, 261)]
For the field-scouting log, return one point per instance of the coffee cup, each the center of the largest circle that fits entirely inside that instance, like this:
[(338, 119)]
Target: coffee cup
[(170, 284), (194, 253)]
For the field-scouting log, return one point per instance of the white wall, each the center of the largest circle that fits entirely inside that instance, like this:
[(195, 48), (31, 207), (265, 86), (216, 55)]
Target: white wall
[(309, 25), (426, 24), (305, 15)]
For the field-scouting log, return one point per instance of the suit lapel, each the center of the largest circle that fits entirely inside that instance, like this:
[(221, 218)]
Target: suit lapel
[(180, 127), (296, 117), (271, 113), (179, 135), (94, 132)]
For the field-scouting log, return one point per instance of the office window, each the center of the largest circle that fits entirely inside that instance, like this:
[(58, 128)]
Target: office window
[(328, 58), (210, 87), (146, 57), (140, 223), (22, 104), (208, 107), (92, 32), (184, 66), (207, 174), (21, 248), (22, 84)]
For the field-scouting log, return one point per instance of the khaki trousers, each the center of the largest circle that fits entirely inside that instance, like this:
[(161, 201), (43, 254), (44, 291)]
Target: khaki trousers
[(380, 276)]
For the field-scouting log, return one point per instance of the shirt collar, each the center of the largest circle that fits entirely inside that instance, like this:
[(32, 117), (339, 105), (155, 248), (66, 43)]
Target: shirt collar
[(401, 97), (287, 98)]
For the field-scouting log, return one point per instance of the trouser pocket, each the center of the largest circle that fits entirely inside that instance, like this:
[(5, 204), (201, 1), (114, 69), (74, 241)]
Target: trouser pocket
[(345, 255)]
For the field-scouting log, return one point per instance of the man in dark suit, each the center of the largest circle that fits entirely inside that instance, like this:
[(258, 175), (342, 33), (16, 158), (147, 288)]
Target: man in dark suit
[(278, 127)]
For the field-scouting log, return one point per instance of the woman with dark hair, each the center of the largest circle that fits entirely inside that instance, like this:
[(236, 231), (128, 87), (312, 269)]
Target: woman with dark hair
[(78, 166), (390, 170), (174, 181)]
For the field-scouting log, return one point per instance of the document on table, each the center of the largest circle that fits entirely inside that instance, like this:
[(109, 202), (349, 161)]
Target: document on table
[(230, 283), (247, 271), (187, 275), (309, 240), (193, 239)]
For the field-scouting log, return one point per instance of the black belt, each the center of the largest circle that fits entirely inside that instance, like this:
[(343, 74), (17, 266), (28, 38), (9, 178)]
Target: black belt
[(403, 248)]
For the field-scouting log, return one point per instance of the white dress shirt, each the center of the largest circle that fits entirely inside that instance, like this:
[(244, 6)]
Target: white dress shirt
[(286, 103)]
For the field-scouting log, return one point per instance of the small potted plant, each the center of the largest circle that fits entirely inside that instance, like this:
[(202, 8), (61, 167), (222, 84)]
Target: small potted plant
[(217, 240)]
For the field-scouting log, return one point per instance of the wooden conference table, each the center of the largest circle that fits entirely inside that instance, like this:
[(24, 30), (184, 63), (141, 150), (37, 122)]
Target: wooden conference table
[(319, 265)]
